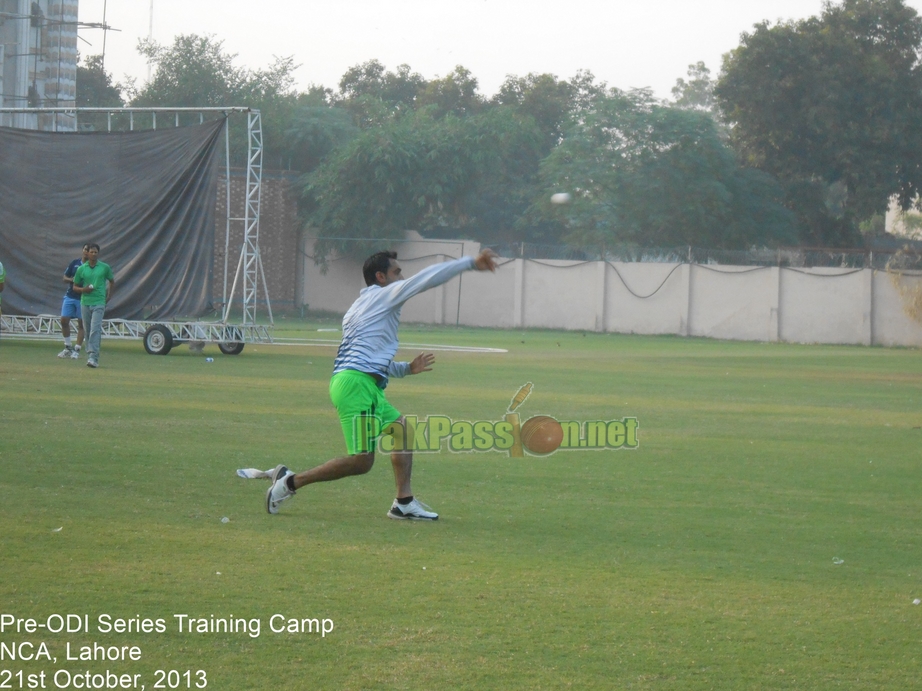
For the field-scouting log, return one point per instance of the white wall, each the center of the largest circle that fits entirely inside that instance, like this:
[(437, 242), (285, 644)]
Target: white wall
[(826, 306), (890, 324), (818, 305), (662, 305), (734, 302)]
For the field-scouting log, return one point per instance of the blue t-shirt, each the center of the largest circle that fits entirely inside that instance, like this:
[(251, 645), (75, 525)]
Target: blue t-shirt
[(69, 273)]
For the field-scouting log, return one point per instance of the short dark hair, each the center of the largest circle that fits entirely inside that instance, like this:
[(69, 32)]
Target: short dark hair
[(92, 246), (379, 261)]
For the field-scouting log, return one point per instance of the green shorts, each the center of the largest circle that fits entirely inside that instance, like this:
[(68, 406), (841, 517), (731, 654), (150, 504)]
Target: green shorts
[(363, 410)]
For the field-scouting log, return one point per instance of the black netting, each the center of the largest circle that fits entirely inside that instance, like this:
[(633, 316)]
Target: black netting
[(146, 197)]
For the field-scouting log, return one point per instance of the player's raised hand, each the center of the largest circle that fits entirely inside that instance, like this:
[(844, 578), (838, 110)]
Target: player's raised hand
[(422, 363), (486, 260)]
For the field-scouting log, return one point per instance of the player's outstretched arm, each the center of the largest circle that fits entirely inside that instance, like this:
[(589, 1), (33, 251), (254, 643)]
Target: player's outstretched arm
[(486, 260), (422, 363)]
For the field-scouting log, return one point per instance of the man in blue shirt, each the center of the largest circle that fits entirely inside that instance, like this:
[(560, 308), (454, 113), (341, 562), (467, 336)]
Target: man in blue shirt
[(363, 366), (70, 309)]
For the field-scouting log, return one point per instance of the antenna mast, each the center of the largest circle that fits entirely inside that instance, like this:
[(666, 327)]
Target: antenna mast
[(105, 33), (150, 35)]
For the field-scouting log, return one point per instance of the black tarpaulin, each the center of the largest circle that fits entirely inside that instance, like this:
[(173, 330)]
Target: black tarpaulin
[(146, 197)]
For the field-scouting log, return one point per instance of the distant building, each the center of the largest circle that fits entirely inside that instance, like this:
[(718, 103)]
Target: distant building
[(38, 61), (907, 224)]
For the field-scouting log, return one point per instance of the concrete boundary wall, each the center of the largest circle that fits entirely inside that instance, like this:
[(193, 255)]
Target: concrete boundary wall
[(820, 305)]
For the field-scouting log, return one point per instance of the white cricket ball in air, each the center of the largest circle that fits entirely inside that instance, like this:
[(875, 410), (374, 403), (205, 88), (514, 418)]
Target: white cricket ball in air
[(561, 198)]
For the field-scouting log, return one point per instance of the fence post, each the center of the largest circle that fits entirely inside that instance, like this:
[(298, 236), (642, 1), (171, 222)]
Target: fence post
[(774, 312), (460, 278), (439, 299), (518, 301), (871, 298), (600, 324)]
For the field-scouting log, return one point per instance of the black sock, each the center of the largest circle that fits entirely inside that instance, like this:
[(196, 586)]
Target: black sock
[(290, 482), (405, 500)]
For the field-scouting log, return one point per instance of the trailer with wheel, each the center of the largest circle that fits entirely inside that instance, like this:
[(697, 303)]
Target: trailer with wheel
[(159, 337)]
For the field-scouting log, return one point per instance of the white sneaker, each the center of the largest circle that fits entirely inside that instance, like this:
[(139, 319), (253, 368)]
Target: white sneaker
[(67, 352), (75, 355), (92, 363), (414, 511), (278, 490)]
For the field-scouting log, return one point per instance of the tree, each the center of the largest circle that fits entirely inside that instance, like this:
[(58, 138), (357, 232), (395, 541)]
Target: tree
[(544, 98), (509, 146), (455, 93), (698, 92), (95, 88), (414, 172), (832, 106), (398, 89), (317, 129), (651, 175), (272, 91), (373, 94), (546, 106), (196, 72)]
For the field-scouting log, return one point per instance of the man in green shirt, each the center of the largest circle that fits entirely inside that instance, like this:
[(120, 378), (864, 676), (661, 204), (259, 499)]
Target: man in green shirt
[(94, 283)]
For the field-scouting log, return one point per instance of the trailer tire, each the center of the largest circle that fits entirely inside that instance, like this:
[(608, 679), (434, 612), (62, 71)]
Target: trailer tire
[(158, 340), (231, 348)]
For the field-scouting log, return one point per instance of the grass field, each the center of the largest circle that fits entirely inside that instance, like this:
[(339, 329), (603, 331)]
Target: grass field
[(705, 559)]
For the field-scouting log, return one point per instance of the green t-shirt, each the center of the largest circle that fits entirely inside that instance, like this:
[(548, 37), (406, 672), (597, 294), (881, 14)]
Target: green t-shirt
[(95, 276)]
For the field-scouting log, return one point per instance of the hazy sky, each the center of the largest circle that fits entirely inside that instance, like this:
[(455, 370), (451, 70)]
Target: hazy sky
[(626, 43)]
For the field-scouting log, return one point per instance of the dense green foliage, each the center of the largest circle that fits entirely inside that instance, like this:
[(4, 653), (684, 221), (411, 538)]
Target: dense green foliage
[(420, 172), (696, 93), (196, 71), (391, 151), (832, 106), (95, 88), (648, 174), (809, 129)]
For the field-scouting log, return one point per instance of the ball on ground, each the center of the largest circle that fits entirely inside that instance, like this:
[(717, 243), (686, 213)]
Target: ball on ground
[(542, 435), (561, 198)]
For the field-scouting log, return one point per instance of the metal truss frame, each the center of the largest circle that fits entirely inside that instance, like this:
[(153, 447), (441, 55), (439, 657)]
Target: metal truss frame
[(250, 265), (48, 326)]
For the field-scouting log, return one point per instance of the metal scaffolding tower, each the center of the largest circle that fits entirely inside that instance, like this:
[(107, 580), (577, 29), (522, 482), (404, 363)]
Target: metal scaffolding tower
[(250, 264)]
